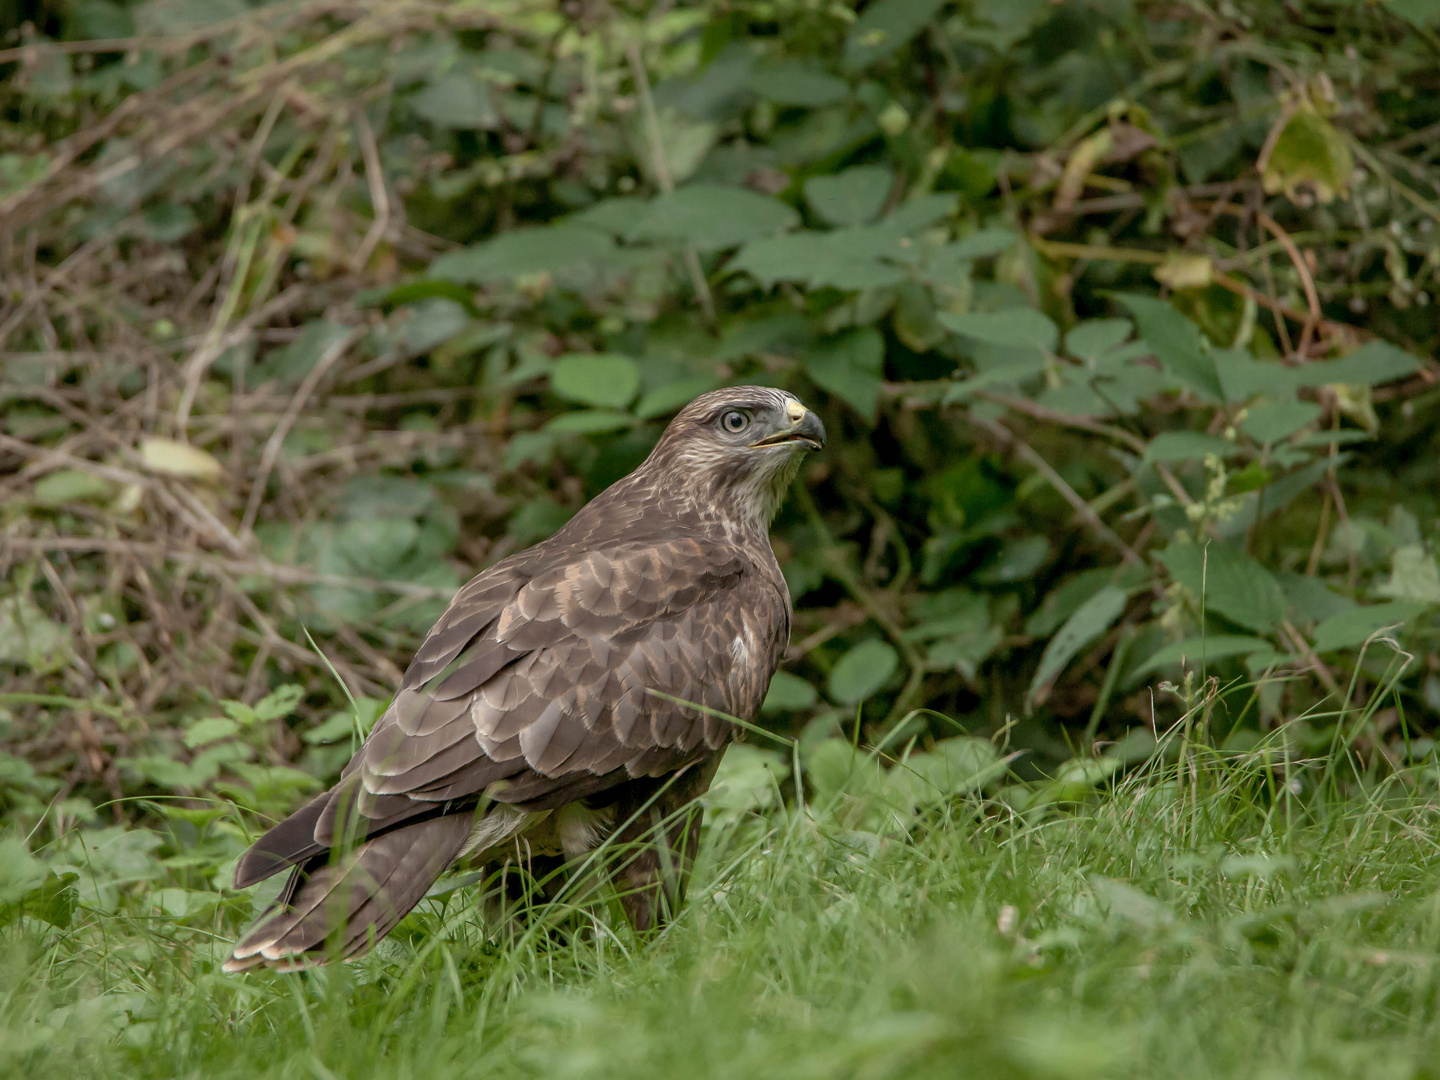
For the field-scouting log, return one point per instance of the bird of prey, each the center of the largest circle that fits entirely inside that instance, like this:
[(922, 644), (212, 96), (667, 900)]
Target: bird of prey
[(570, 693)]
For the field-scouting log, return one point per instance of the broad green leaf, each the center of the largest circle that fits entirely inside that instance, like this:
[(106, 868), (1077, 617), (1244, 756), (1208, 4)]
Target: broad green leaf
[(711, 217), (1066, 598), (1178, 344), (1370, 365), (29, 639), (171, 458), (862, 671), (279, 703), (794, 257), (524, 252), (1089, 621), (1013, 327), (20, 872), (982, 244), (1018, 559), (1310, 153), (209, 730), (1422, 13), (684, 140), (71, 485), (1413, 576), (1273, 421), (749, 779), (590, 422), (1095, 338), (852, 197), (798, 84), (1352, 628), (672, 396), (457, 100), (920, 212), (956, 766), (605, 380), (885, 26), (789, 693), (1194, 652), (849, 366), (1310, 599), (1228, 582), (293, 361), (1242, 376), (1187, 446), (834, 766)]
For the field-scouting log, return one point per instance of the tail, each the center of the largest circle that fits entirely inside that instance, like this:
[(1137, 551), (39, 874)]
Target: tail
[(337, 908)]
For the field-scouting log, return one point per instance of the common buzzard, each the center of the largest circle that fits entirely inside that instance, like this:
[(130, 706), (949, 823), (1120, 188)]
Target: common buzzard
[(552, 702)]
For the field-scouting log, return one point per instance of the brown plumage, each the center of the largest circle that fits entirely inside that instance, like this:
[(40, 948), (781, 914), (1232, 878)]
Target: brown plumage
[(546, 703)]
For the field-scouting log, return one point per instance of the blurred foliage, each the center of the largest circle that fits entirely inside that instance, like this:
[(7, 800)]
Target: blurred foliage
[(1119, 313)]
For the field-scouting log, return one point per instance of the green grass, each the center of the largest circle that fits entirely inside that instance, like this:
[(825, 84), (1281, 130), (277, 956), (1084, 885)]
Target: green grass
[(1192, 920)]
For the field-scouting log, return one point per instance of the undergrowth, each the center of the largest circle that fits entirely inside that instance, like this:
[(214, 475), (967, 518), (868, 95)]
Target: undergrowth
[(1204, 913)]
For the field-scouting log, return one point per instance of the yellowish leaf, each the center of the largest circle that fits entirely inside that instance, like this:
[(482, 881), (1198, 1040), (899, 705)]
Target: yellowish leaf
[(171, 458), (1185, 270)]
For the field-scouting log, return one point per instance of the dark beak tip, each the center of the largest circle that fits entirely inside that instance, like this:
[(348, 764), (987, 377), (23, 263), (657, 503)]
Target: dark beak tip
[(813, 430)]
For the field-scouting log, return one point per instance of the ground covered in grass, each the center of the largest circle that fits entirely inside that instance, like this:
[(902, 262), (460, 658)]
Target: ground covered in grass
[(1203, 916)]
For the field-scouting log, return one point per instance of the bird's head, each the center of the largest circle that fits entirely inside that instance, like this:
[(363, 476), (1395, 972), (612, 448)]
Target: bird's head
[(736, 450)]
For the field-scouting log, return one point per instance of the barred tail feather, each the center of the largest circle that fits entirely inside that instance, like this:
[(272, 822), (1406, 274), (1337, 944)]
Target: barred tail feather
[(338, 909)]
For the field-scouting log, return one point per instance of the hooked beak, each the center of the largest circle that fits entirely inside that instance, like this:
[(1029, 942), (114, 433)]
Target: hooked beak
[(805, 428)]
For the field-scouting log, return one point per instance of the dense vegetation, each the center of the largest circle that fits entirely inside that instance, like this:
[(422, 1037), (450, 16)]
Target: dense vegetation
[(1106, 733)]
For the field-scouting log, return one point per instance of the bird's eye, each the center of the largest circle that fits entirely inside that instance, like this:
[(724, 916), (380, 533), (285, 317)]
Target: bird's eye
[(734, 421)]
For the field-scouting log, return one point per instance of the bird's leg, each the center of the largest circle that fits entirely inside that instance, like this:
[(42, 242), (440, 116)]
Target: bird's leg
[(657, 848)]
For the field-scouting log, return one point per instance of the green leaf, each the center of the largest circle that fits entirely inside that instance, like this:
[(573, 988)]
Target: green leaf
[(1271, 422), (1228, 582), (456, 100), (1370, 365), (29, 639), (278, 703), (981, 244), (956, 766), (1178, 344), (749, 778), (292, 362), (1013, 327), (71, 485), (1352, 628), (798, 84), (1413, 576), (794, 257), (1195, 652), (862, 671), (20, 872), (1093, 339), (852, 197), (1090, 620), (885, 26), (789, 693), (1242, 376), (1018, 559), (524, 252), (1422, 13), (711, 217), (849, 366), (1187, 446), (590, 422), (209, 730), (606, 380), (413, 292), (1309, 153), (673, 396)]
